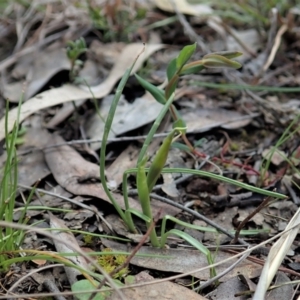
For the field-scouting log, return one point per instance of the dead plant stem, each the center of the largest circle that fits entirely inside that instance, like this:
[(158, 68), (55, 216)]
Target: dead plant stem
[(249, 217)]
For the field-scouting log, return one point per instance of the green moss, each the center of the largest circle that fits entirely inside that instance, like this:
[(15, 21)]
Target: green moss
[(109, 262)]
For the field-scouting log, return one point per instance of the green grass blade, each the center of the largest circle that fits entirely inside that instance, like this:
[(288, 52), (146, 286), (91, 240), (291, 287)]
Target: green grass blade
[(219, 178), (154, 128), (192, 241)]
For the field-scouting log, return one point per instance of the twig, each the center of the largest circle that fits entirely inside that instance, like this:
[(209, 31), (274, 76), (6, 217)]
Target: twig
[(49, 284), (193, 36), (277, 42), (238, 40), (197, 215), (220, 275), (138, 137), (18, 282), (271, 36), (88, 207), (133, 253), (249, 217)]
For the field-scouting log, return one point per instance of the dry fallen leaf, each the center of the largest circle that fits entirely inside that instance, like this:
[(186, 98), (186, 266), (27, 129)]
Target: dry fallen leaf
[(44, 65), (63, 248), (34, 161), (284, 291), (77, 176), (127, 117), (205, 119), (184, 7), (164, 290), (69, 92), (276, 156), (126, 160), (184, 260)]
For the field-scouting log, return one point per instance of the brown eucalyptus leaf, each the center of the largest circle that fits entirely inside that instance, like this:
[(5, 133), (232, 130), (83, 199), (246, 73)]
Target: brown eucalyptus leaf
[(78, 176)]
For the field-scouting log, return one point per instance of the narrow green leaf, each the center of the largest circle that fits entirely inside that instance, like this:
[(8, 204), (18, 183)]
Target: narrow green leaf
[(200, 142), (154, 127), (186, 70), (220, 178), (218, 61), (157, 93), (190, 240), (181, 146), (159, 162), (179, 123), (170, 89), (138, 214), (194, 243), (143, 192), (171, 69), (184, 55), (227, 54)]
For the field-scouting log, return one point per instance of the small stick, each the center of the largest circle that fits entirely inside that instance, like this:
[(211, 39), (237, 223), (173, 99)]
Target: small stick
[(249, 217)]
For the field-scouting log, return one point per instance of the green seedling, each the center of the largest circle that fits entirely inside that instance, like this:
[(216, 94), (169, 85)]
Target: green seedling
[(146, 177), (19, 140), (74, 50), (10, 239)]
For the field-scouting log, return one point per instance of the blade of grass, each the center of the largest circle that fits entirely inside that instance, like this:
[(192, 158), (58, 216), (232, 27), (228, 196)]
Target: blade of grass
[(108, 124), (220, 178)]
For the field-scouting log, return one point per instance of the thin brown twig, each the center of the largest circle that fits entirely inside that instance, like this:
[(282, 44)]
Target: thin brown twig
[(193, 36), (249, 217), (238, 40), (197, 215), (133, 253)]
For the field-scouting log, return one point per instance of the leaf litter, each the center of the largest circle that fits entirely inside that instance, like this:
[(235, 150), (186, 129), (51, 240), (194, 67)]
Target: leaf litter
[(260, 146)]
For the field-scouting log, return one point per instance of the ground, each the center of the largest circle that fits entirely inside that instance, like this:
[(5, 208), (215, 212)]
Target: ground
[(196, 103)]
